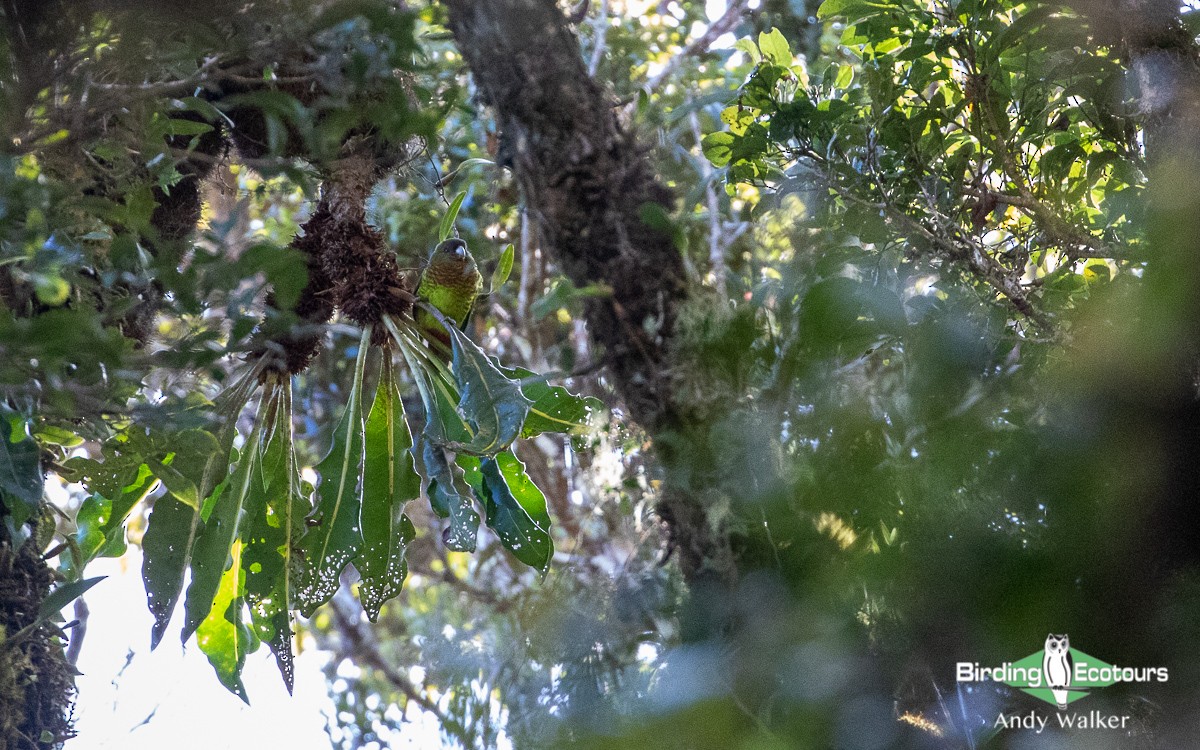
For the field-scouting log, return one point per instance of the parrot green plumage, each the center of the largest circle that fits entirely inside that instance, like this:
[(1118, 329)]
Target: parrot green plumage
[(450, 282)]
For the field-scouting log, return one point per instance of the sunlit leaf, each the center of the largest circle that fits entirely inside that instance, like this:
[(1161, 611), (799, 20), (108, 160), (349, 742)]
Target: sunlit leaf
[(173, 526), (223, 636), (216, 537), (554, 408), (775, 47), (57, 436)]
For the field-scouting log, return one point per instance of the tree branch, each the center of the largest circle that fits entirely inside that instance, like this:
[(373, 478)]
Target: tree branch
[(734, 12)]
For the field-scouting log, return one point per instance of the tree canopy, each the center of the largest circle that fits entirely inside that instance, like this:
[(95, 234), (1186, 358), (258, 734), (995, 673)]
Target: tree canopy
[(821, 347)]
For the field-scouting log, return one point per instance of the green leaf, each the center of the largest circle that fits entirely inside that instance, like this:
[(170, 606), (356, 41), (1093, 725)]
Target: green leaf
[(20, 474), (516, 510), (166, 550), (451, 214), (217, 536), (749, 49), (851, 10), (845, 76), (554, 408), (775, 47), (503, 268), (492, 404), (183, 473), (718, 148), (841, 313), (389, 481), (450, 497), (173, 526), (223, 636), (275, 523), (335, 537), (63, 595), (100, 522), (57, 436)]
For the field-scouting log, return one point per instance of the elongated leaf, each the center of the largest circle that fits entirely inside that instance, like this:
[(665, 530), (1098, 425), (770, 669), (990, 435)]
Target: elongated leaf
[(63, 595), (165, 552), (516, 510), (335, 537), (216, 537), (554, 408), (173, 526), (389, 481), (492, 404), (451, 214), (223, 636), (450, 497), (504, 268), (444, 424), (275, 522)]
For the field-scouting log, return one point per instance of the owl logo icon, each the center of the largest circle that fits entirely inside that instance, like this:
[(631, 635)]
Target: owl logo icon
[(1058, 666)]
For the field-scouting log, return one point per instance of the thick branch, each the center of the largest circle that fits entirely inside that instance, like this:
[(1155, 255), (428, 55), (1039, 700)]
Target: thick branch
[(585, 182), (600, 211)]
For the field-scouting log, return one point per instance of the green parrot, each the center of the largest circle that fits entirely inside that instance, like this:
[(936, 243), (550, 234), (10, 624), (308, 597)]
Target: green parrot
[(450, 282)]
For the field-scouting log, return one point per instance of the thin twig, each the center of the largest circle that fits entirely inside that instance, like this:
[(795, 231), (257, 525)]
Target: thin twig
[(734, 13), (599, 39), (716, 247), (363, 646)]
